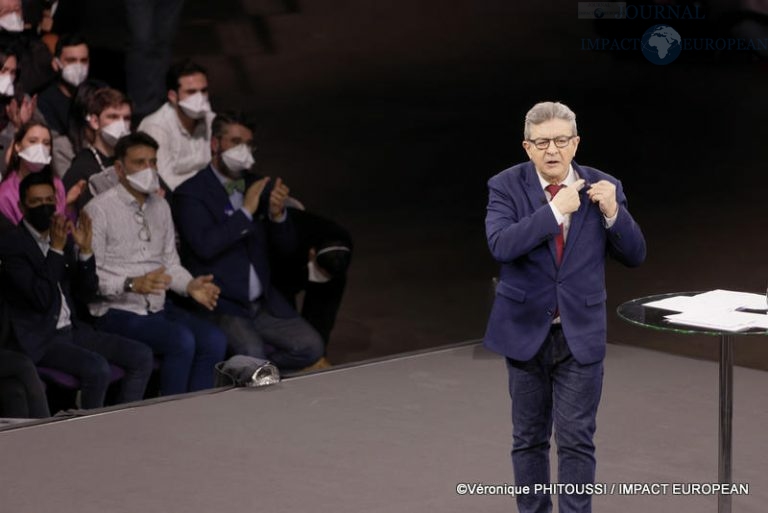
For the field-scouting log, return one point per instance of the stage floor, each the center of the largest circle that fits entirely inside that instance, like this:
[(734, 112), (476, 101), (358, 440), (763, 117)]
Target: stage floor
[(391, 436)]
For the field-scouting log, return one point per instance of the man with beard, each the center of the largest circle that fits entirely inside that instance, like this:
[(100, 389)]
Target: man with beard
[(71, 63), (182, 126), (229, 222)]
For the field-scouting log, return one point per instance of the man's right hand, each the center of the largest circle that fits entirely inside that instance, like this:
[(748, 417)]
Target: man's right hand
[(154, 282), (253, 193), (567, 200)]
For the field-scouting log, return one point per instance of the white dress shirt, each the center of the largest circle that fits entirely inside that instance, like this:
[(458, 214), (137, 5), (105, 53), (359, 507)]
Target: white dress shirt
[(565, 220), (181, 154), (121, 253)]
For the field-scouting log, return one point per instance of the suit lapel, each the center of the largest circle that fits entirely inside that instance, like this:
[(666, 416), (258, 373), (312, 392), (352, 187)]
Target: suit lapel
[(217, 195), (31, 248), (536, 198), (577, 218)]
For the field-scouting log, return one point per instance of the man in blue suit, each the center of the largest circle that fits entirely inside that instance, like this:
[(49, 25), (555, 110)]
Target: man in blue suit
[(550, 224), (229, 222)]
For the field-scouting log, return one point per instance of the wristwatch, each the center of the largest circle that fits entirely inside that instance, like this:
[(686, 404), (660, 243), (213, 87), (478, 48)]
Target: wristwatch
[(128, 285)]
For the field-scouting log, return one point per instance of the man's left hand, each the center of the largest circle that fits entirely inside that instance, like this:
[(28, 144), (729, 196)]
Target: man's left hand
[(604, 194), (277, 199), (204, 291)]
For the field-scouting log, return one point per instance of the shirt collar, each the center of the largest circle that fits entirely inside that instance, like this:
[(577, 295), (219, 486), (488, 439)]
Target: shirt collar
[(570, 178), (127, 198), (223, 179)]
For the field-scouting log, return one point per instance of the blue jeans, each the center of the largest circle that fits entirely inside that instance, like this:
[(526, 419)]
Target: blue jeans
[(553, 386), (189, 347), (87, 353), (289, 343)]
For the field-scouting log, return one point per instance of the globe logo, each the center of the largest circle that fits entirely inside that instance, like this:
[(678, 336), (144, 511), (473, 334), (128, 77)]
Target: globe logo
[(661, 44), (599, 13)]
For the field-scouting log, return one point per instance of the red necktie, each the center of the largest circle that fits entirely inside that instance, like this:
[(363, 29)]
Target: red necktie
[(559, 239)]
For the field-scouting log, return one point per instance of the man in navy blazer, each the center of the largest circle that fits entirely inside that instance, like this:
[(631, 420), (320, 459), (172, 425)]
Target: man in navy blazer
[(42, 277), (550, 223), (229, 222)]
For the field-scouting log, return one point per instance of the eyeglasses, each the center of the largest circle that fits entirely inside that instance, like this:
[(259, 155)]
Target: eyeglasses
[(543, 142), (144, 234)]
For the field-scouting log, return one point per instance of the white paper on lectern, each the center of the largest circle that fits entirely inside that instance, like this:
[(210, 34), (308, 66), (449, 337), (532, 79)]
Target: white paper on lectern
[(716, 309), (674, 303), (719, 320), (728, 299), (757, 320)]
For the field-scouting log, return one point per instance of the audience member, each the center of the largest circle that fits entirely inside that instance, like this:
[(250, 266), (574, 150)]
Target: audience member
[(16, 108), (66, 146), (182, 126), (31, 154), (41, 276), (109, 118), (137, 262), (35, 73), (60, 17), (70, 62), (151, 26), (227, 227), (22, 394)]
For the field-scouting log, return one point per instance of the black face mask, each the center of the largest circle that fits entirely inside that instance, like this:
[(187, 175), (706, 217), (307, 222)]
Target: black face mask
[(40, 217)]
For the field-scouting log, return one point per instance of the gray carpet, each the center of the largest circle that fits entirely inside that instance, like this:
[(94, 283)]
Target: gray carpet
[(391, 436)]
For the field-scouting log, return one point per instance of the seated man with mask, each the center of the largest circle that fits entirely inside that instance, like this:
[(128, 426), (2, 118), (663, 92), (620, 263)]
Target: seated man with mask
[(135, 247), (182, 126), (42, 277), (71, 63), (108, 118), (229, 222)]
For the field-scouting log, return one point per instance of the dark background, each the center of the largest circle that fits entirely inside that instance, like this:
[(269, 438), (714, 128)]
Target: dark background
[(391, 116)]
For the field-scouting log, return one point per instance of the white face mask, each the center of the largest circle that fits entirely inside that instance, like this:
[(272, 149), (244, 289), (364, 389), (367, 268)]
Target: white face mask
[(6, 84), (74, 74), (238, 159), (145, 181), (195, 106), (12, 22), (36, 156), (114, 131)]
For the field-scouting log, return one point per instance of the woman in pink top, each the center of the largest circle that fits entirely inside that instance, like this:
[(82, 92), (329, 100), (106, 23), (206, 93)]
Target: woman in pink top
[(32, 154)]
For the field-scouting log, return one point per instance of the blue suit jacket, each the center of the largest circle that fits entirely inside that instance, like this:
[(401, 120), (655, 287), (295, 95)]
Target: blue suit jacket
[(521, 228), (31, 287), (217, 240)]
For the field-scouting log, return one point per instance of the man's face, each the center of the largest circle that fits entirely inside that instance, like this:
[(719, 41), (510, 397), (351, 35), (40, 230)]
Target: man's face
[(40, 194), (9, 6), (234, 135), (189, 85), (111, 114), (74, 54), (137, 158), (552, 163)]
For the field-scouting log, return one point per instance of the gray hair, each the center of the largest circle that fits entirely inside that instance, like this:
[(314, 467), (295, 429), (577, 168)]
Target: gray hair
[(544, 111)]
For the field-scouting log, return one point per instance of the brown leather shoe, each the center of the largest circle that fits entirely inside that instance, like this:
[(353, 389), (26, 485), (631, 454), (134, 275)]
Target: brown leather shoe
[(321, 364)]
